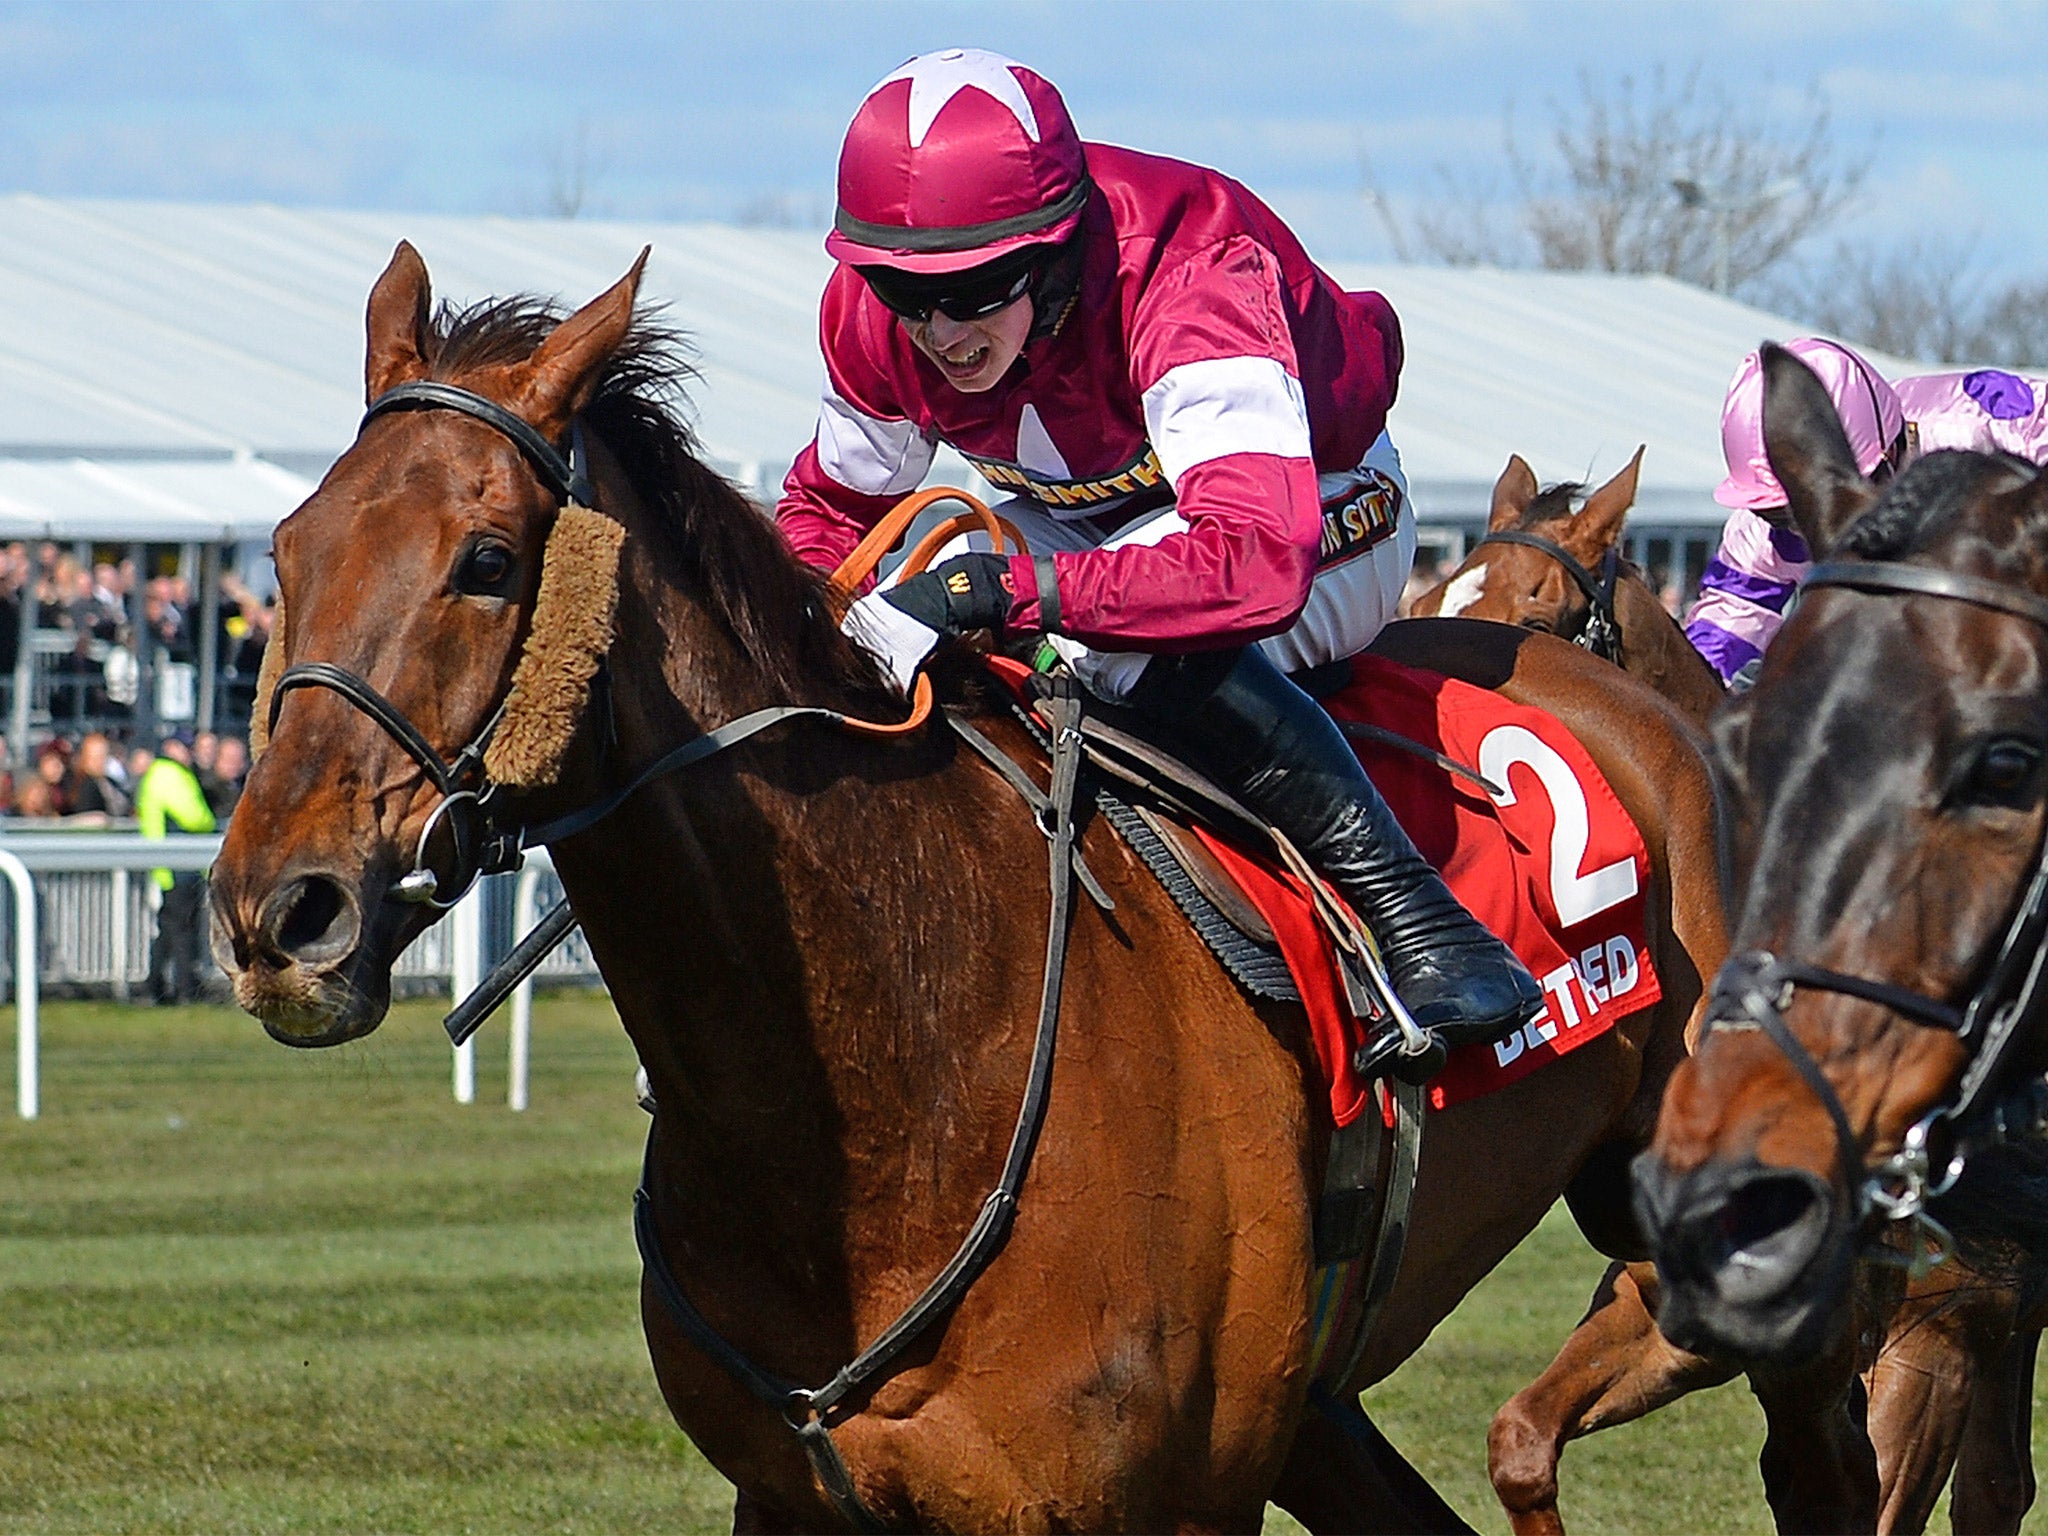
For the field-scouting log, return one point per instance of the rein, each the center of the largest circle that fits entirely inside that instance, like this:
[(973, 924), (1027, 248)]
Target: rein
[(483, 844), (1753, 989), (1601, 633)]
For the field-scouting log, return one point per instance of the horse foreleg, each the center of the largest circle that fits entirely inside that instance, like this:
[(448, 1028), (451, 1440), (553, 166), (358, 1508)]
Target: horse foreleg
[(1342, 1474), (1994, 1485), (1615, 1367), (1922, 1383), (1819, 1471)]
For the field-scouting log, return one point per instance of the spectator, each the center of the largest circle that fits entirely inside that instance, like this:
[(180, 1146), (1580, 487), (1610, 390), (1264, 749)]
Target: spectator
[(121, 675), (170, 796), (139, 759), (223, 785), (109, 600), (92, 786), (53, 772)]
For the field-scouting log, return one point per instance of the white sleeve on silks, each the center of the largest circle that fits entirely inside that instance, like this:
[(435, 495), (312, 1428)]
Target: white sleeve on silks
[(867, 454), (890, 635), (1219, 406)]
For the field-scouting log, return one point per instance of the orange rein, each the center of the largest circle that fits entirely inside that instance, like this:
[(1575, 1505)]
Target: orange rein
[(883, 537)]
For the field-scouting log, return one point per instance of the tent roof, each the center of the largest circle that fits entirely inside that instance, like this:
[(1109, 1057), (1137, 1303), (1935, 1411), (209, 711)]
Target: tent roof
[(176, 336), (145, 500)]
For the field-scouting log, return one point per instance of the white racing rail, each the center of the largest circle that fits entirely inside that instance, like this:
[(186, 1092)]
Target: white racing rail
[(82, 916)]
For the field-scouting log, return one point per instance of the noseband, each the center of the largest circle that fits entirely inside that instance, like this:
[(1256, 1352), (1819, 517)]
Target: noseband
[(1601, 633), (480, 845), (1753, 989)]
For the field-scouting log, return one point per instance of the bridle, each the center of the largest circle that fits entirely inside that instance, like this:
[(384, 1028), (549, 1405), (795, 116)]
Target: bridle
[(1753, 989), (1601, 633), (481, 842)]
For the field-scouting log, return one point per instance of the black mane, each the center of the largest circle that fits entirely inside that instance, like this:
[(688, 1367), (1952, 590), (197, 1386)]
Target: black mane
[(1552, 504), (772, 604)]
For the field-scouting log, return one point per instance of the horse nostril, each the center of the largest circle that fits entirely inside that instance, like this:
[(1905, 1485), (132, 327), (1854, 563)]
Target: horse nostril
[(1762, 1209), (1749, 1233), (311, 920)]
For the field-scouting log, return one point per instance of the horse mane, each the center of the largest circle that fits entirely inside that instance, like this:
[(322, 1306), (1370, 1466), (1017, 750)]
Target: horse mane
[(1552, 504), (773, 605), (1907, 519), (1555, 504)]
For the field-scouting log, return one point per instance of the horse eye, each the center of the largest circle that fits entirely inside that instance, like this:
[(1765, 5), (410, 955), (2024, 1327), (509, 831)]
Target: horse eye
[(485, 570), (2004, 770)]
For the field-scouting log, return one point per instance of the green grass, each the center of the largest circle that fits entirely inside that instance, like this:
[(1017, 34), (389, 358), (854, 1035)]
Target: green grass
[(250, 1289)]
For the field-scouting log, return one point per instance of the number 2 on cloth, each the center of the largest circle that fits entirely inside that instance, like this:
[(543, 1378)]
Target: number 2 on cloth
[(1577, 896)]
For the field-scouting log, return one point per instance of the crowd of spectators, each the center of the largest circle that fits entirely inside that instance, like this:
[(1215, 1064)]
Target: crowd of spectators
[(102, 737), (98, 680), (92, 781)]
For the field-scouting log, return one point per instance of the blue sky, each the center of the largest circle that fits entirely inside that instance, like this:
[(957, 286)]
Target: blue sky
[(686, 110)]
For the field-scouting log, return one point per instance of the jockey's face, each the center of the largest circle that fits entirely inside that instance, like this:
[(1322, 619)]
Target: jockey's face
[(973, 354)]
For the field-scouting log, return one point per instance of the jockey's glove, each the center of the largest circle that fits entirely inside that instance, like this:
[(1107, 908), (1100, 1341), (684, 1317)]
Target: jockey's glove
[(901, 624), (960, 595)]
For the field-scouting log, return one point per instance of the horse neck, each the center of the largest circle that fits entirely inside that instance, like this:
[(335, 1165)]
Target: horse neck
[(1655, 649), (792, 939)]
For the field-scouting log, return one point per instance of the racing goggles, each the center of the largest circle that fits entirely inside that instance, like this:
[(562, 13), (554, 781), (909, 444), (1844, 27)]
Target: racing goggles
[(971, 295)]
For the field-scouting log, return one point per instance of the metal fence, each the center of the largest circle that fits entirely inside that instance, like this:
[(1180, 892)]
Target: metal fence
[(93, 919)]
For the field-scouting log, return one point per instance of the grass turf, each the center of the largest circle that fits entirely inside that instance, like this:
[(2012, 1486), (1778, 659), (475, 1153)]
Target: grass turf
[(250, 1289)]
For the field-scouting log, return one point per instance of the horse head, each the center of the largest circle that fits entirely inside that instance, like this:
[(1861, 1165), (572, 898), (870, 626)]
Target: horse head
[(1886, 778), (1521, 572), (407, 588)]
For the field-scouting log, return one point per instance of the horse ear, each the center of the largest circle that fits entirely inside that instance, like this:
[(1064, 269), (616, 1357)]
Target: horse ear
[(562, 374), (1598, 523), (1810, 453), (1512, 493), (397, 323)]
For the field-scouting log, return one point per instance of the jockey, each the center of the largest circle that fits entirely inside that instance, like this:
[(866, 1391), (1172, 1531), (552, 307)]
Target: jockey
[(1750, 581), (1193, 415)]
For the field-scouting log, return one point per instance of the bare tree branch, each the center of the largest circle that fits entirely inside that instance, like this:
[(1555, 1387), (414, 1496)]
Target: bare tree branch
[(1601, 196)]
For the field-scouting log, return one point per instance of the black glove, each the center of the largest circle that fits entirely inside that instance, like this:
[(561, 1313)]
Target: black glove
[(958, 596)]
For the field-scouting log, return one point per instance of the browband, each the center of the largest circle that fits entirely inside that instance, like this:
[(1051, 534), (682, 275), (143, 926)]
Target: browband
[(552, 465)]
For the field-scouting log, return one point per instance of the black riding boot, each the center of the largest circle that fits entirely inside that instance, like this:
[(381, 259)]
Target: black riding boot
[(1240, 721)]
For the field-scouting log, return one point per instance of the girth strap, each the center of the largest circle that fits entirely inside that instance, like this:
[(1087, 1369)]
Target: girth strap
[(808, 1410)]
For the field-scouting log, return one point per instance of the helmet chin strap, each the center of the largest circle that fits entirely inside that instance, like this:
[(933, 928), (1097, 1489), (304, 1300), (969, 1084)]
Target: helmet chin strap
[(1053, 295)]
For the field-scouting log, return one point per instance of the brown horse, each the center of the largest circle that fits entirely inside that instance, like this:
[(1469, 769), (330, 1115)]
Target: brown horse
[(826, 947), (1948, 1379), (1887, 774), (1515, 576)]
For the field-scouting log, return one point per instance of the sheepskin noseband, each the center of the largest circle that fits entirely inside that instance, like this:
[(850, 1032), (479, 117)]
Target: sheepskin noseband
[(267, 672), (572, 629)]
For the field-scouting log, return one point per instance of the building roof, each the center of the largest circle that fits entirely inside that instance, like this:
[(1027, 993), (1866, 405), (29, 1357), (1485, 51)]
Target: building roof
[(183, 371)]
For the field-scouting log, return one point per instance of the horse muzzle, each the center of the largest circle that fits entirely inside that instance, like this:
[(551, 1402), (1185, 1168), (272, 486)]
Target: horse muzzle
[(1754, 1260), (297, 955)]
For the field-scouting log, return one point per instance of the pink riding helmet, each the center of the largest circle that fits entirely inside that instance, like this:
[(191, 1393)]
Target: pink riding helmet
[(957, 158), (1868, 406)]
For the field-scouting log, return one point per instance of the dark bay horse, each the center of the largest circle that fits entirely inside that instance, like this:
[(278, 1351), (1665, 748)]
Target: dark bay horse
[(1944, 1389), (826, 948), (1887, 774)]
